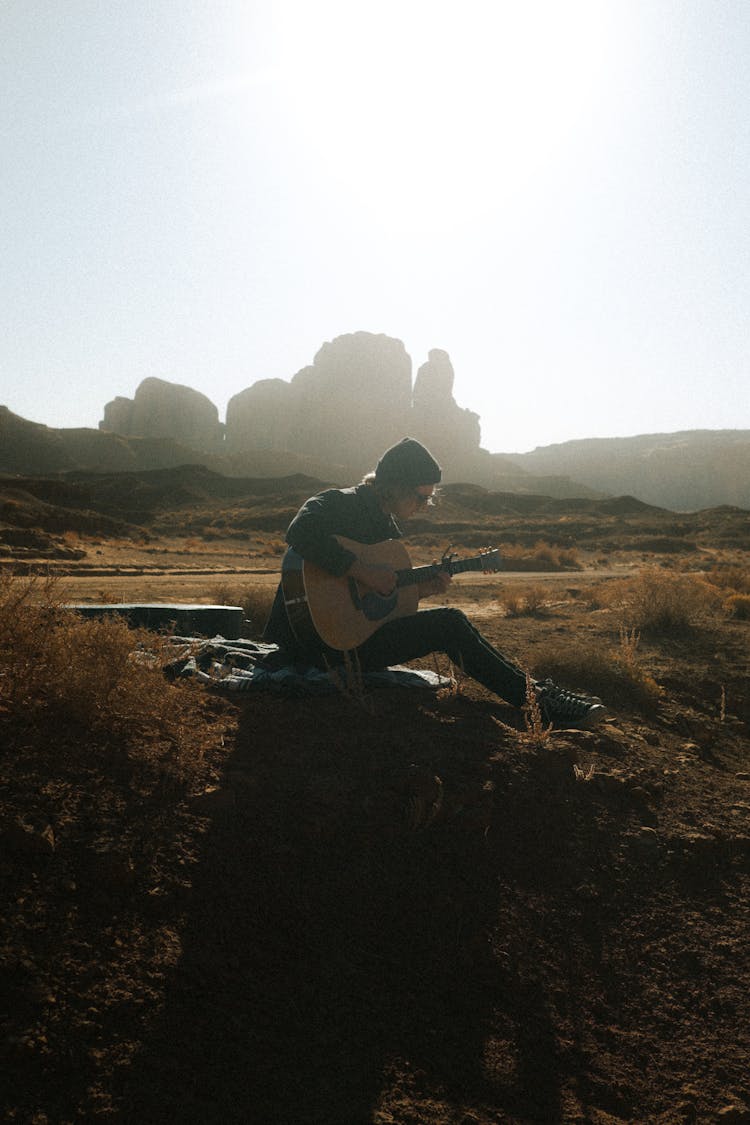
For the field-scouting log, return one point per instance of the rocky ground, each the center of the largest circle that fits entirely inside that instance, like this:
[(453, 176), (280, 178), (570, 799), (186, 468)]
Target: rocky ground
[(393, 907)]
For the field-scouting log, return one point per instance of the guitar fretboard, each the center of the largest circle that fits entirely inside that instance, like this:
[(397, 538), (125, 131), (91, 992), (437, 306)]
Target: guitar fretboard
[(416, 574)]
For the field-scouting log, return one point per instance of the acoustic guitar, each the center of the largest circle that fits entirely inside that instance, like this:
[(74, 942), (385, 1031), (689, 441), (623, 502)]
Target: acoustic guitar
[(342, 613)]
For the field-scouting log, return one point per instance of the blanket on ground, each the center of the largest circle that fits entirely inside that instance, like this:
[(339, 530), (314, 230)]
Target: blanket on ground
[(243, 665)]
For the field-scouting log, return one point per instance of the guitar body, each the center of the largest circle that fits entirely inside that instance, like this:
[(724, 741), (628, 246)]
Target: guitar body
[(338, 611)]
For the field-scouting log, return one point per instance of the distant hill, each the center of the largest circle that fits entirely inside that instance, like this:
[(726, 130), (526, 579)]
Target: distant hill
[(29, 449), (194, 501), (682, 471)]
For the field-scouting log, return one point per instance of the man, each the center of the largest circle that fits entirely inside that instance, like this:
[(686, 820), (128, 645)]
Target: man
[(402, 484)]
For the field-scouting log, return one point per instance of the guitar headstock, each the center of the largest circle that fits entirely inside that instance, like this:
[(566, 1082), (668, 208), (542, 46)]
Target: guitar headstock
[(490, 560)]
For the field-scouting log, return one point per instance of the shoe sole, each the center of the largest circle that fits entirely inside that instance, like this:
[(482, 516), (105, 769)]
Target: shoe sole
[(593, 717)]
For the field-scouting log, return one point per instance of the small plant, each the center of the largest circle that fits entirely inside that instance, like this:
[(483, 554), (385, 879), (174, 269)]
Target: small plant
[(349, 682), (627, 661), (256, 602), (524, 601), (738, 606), (729, 576), (596, 595), (451, 688), (108, 597), (537, 734), (629, 641), (224, 594), (660, 602)]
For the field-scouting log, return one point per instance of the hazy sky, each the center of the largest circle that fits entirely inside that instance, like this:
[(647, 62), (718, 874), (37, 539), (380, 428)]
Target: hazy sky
[(556, 193)]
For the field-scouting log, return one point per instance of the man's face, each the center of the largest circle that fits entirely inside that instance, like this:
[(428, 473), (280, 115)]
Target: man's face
[(413, 501)]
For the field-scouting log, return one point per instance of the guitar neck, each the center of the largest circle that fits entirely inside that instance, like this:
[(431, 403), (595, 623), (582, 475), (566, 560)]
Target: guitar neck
[(412, 576)]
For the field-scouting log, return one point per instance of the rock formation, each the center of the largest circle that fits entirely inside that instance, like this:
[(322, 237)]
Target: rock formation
[(262, 416), (355, 397), (332, 420), (350, 403), (437, 419), (166, 410), (118, 416), (339, 414)]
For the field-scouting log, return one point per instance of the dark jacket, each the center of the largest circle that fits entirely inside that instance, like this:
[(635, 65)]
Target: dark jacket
[(351, 512)]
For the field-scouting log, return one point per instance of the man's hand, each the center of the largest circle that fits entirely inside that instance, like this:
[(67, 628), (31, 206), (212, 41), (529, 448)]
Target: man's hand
[(381, 579)]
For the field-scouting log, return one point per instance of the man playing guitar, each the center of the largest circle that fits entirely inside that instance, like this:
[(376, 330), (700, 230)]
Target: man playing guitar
[(346, 540)]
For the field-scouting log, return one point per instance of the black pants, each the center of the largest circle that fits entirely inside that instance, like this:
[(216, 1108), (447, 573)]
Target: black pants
[(442, 630)]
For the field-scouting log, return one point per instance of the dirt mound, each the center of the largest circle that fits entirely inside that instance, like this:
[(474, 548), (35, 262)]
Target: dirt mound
[(126, 503), (19, 507)]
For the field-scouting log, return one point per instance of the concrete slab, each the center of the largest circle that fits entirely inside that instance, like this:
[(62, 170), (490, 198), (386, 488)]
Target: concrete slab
[(183, 619)]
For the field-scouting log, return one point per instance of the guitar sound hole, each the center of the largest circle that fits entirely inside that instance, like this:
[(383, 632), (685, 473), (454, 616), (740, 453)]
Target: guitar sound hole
[(375, 607)]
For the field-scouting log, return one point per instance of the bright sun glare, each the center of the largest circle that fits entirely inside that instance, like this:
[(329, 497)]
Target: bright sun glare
[(428, 112)]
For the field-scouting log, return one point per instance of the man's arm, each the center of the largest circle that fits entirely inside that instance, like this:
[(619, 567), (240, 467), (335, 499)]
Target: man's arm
[(312, 534)]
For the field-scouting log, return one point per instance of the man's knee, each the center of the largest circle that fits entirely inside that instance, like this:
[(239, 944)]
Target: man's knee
[(448, 614), (449, 622)]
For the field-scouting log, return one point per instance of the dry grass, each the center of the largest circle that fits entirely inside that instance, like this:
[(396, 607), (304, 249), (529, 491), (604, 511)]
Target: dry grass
[(542, 556), (349, 682), (730, 576), (733, 581), (614, 672), (738, 606), (537, 733), (62, 674), (523, 601), (256, 602), (661, 602)]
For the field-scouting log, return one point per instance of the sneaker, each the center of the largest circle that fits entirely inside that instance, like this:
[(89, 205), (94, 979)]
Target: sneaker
[(566, 709)]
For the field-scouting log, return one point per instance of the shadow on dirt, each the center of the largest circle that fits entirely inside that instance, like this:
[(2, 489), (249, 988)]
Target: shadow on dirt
[(343, 953)]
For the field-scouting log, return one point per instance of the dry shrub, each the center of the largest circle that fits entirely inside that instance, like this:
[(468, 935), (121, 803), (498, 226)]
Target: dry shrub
[(66, 674), (615, 673), (596, 595), (542, 556), (728, 576), (256, 602), (659, 602), (523, 601), (738, 606)]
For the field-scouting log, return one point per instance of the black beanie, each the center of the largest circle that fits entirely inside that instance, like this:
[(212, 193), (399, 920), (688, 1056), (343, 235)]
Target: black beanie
[(407, 462)]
